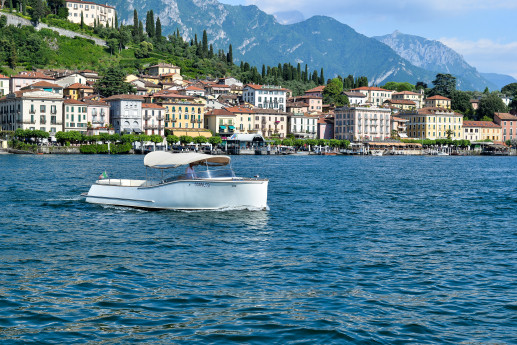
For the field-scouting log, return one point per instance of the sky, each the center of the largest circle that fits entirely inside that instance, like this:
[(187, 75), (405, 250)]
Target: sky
[(484, 32)]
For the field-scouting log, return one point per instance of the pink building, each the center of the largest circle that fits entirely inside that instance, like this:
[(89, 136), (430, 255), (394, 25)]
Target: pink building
[(317, 91), (98, 113), (27, 78), (508, 123)]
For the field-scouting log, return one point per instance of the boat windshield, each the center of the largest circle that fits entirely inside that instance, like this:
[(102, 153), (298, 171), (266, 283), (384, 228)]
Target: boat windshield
[(215, 173)]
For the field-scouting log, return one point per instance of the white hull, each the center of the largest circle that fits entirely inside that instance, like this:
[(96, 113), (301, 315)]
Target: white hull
[(181, 194)]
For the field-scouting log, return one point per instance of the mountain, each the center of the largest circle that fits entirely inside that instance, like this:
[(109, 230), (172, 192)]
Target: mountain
[(436, 57), (259, 38), (289, 17), (499, 80)]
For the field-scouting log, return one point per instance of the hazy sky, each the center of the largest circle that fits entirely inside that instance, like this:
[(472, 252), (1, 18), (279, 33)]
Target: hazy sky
[(483, 31)]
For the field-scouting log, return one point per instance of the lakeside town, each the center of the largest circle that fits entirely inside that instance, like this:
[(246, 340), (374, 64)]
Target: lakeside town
[(165, 108)]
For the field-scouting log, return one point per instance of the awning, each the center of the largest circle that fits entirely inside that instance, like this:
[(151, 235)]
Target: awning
[(167, 160), (137, 130), (222, 127), (231, 127)]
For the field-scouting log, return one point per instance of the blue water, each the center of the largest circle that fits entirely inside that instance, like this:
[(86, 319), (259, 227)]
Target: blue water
[(362, 250)]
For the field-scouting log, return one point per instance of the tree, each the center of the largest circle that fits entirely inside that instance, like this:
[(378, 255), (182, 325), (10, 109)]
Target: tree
[(158, 31), (172, 139), (204, 47), (322, 77), (460, 102), (55, 5), (510, 89), (200, 140), (229, 57), (135, 25), (444, 85), (82, 20), (112, 44), (112, 83), (185, 139), (449, 133), (149, 24), (3, 21), (38, 11), (489, 105), (215, 140), (333, 93)]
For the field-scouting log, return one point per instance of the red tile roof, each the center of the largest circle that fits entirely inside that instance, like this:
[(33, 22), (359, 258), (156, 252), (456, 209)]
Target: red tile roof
[(219, 112), (240, 110), (318, 89), (73, 101), (435, 110), (370, 88), (78, 86), (438, 97), (400, 101), (484, 124), (151, 105), (40, 84), (268, 88), (193, 88), (406, 93), (32, 75), (506, 116), (3, 76)]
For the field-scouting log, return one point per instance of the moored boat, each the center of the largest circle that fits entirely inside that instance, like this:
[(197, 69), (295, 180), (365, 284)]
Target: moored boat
[(215, 187)]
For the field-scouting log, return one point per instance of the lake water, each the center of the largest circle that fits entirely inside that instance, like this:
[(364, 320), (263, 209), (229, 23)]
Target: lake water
[(353, 250)]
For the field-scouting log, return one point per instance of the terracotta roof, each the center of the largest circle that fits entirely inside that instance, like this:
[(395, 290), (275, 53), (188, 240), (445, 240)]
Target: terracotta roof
[(394, 118), (172, 95), (406, 93), (152, 105), (316, 89), (220, 112), (484, 124), (400, 101), (125, 97), (296, 104), (262, 87), (506, 116), (370, 88), (78, 86), (162, 64), (73, 101), (96, 103), (220, 85), (3, 76), (45, 84), (438, 97), (32, 75), (354, 94), (193, 88), (240, 110), (434, 110)]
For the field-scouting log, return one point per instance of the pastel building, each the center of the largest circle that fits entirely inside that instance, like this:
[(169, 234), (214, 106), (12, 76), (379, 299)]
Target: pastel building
[(317, 91), (154, 119), (374, 95), (90, 12), (362, 123), (98, 115), (126, 113), (508, 123), (78, 91), (417, 98), (433, 123), (270, 123), (265, 96), (438, 102), (32, 109), (163, 69), (181, 111), (356, 98), (75, 116), (314, 103), (303, 125), (222, 122), (481, 130), (4, 85), (27, 78)]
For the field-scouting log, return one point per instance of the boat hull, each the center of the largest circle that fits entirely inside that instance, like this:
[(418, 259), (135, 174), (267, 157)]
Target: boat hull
[(182, 195)]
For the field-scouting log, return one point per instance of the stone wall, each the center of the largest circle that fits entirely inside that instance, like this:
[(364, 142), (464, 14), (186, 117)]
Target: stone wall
[(15, 20)]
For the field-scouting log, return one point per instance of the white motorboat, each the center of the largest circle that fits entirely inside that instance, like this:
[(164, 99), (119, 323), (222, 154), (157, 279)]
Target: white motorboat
[(210, 185)]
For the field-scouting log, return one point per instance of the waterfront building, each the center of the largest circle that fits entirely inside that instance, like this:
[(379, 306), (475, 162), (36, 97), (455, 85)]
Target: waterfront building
[(98, 114), (326, 128), (244, 119), (4, 85), (433, 123), (78, 91), (362, 123), (126, 113), (32, 109), (374, 95), (416, 97), (270, 123), (90, 12), (26, 78), (508, 123), (399, 125), (75, 116), (265, 96), (181, 111), (317, 91), (356, 98), (154, 119), (481, 130), (438, 102), (402, 104), (303, 125), (221, 122)]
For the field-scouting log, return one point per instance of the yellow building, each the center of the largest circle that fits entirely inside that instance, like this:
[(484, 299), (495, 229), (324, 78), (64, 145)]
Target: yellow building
[(181, 111), (163, 68), (481, 130), (222, 122), (433, 123), (77, 91), (438, 102)]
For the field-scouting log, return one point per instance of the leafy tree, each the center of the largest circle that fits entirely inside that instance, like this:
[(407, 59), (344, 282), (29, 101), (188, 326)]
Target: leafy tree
[(135, 26), (460, 102), (215, 140), (200, 140), (510, 89), (3, 21), (444, 85), (112, 83), (489, 105), (172, 139), (38, 11), (186, 139), (333, 93)]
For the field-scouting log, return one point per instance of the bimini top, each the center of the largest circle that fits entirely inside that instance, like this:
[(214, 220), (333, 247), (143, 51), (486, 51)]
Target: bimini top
[(167, 160)]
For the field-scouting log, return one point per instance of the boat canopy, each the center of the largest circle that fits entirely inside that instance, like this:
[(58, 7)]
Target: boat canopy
[(167, 160)]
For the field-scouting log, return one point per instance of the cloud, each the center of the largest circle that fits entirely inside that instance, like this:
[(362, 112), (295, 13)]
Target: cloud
[(486, 55)]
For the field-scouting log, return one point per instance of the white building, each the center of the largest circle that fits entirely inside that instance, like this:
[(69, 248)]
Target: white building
[(32, 109), (126, 113), (4, 85), (362, 123), (265, 96), (375, 95), (91, 12), (356, 98), (303, 125), (154, 119)]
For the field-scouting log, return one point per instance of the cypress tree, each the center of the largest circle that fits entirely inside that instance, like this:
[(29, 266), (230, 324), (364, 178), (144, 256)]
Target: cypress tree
[(263, 71), (82, 20), (315, 77), (229, 58), (135, 25), (195, 40), (211, 52), (298, 72), (140, 31), (158, 31), (205, 44), (242, 66), (116, 21), (322, 78), (10, 6)]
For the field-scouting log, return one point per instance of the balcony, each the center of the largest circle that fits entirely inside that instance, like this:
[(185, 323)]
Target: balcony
[(29, 122), (160, 118), (43, 122), (150, 127), (147, 117)]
